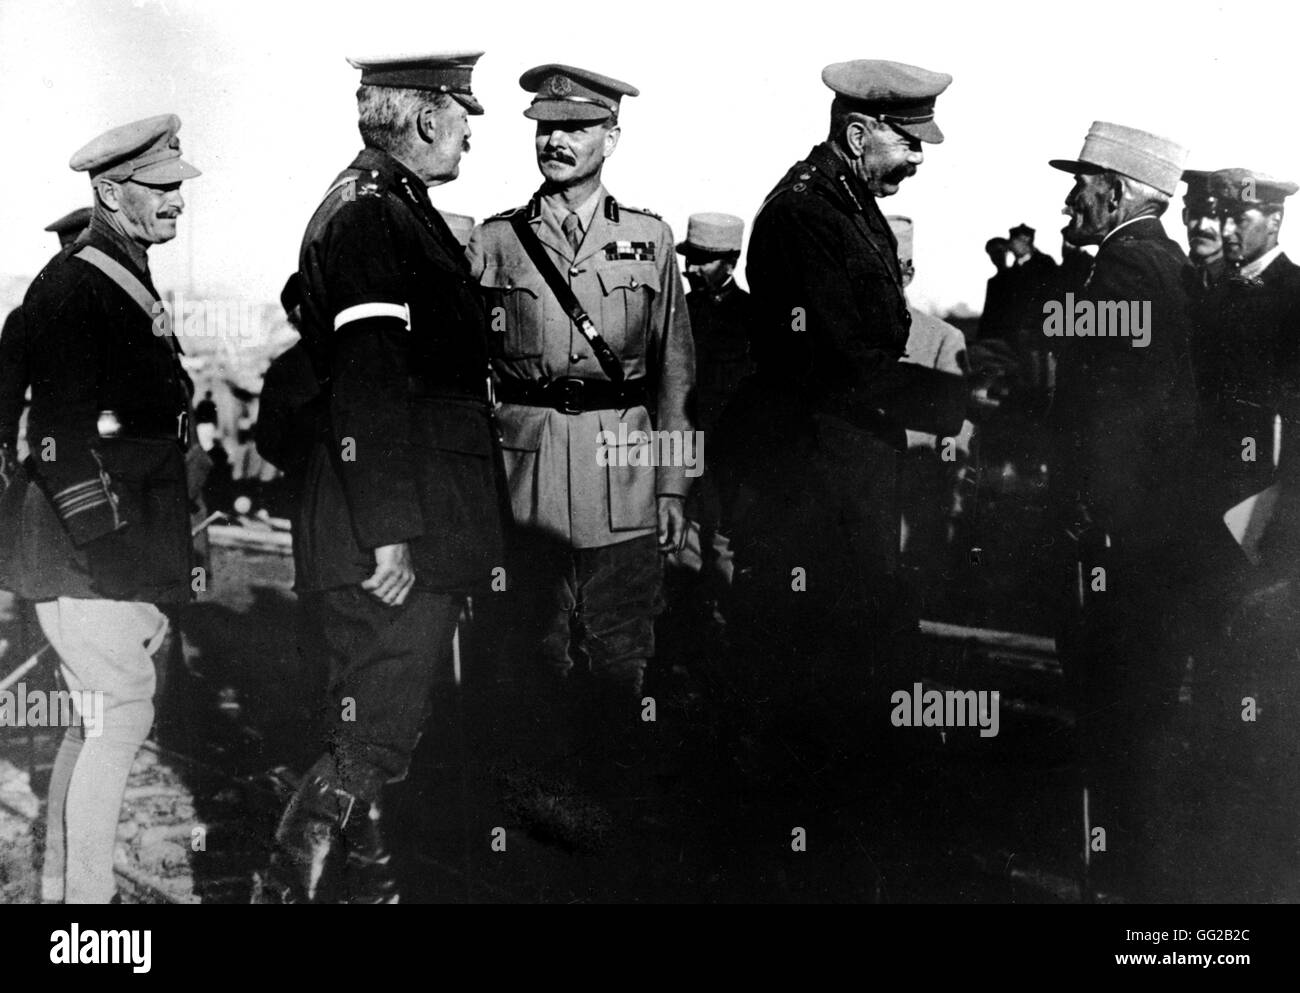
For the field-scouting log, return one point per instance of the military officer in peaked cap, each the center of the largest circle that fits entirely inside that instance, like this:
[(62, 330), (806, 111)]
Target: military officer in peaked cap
[(1204, 239), (579, 381), (95, 526), (1247, 364), (1248, 375), (70, 225), (1123, 419), (1244, 328), (401, 513), (814, 437)]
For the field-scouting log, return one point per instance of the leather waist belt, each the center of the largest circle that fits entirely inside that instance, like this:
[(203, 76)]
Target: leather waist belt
[(134, 424), (572, 395)]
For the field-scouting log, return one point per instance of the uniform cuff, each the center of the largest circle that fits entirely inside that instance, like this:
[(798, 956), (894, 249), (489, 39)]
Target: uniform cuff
[(88, 510)]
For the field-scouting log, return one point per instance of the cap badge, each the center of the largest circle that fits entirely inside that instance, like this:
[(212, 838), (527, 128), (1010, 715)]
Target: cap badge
[(560, 86)]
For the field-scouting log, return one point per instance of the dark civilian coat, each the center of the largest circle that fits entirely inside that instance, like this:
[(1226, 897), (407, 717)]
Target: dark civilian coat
[(1124, 417)]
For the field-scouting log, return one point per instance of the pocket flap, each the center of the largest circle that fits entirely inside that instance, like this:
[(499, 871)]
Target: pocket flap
[(629, 276), (507, 279)]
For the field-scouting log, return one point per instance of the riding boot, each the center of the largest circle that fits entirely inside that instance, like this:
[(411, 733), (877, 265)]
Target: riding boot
[(368, 874), (307, 843)]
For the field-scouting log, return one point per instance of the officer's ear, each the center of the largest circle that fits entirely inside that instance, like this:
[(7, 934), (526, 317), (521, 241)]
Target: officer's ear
[(856, 133), (611, 139), (109, 194), (1274, 221), (1114, 191), (426, 123)]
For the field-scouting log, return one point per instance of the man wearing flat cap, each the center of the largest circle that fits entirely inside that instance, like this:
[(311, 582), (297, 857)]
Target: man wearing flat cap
[(1123, 419), (815, 435), (401, 514), (95, 526), (591, 350)]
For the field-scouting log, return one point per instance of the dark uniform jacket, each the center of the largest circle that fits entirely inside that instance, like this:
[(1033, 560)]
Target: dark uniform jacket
[(396, 326), (832, 321), (13, 377), (1124, 417), (101, 509), (1248, 365), (721, 324)]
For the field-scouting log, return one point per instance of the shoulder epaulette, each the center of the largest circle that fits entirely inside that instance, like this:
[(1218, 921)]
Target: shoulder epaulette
[(642, 210), (368, 184), (505, 215)]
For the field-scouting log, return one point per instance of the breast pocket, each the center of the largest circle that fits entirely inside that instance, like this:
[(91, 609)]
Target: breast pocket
[(627, 306), (516, 303)]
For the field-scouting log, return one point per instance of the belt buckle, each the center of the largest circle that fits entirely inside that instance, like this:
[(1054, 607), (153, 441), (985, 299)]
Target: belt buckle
[(570, 397)]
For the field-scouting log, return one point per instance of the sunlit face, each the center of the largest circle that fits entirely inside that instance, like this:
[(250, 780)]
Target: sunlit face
[(450, 140), (1091, 209), (148, 213), (888, 157), (1021, 245), (1204, 237), (571, 152), (1248, 232), (708, 273)]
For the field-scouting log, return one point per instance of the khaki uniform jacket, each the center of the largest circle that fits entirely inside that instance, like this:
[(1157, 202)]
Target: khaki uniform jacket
[(625, 276)]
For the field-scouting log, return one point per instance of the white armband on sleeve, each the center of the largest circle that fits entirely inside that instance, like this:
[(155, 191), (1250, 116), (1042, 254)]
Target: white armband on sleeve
[(364, 311)]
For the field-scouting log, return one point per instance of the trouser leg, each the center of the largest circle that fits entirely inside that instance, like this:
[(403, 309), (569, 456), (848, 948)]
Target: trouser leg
[(55, 863), (618, 595), (105, 650), (382, 662)]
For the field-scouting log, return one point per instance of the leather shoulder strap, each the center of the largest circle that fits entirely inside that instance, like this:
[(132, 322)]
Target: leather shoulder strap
[(123, 277), (609, 362)]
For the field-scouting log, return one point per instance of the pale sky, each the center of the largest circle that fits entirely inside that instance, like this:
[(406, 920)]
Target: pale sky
[(731, 96)]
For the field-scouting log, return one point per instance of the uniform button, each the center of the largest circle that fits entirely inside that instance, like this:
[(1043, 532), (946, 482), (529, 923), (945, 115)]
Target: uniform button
[(575, 271), (509, 285), (575, 357), (633, 283)]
